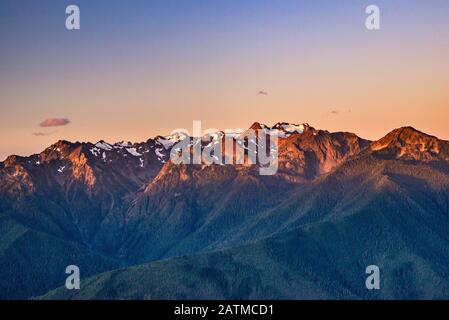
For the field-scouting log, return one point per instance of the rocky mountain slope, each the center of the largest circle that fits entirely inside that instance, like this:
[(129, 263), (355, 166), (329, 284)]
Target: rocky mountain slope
[(123, 204), (316, 243)]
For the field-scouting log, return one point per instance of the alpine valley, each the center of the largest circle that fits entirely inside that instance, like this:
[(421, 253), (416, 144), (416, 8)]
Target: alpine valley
[(141, 227)]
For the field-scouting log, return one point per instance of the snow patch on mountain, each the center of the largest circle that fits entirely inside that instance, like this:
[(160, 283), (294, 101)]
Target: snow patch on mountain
[(289, 128), (95, 151), (159, 153), (133, 152), (170, 140), (103, 145)]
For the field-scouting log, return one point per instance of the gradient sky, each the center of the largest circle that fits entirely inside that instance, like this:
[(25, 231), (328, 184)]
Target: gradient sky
[(137, 69)]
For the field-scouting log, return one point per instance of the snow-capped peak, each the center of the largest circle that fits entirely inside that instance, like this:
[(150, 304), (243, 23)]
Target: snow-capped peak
[(133, 152), (103, 145), (290, 128), (170, 140)]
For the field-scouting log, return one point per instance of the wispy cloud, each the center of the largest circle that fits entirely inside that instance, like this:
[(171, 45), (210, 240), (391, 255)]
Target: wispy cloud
[(336, 112), (43, 134), (54, 122)]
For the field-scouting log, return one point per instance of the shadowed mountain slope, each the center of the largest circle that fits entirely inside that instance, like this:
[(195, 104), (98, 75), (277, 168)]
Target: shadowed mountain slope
[(393, 213), (338, 204)]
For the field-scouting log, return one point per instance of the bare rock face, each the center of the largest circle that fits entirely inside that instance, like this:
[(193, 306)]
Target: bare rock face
[(14, 177), (315, 152), (408, 143)]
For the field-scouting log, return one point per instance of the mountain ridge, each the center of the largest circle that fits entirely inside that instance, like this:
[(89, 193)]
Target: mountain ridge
[(130, 203)]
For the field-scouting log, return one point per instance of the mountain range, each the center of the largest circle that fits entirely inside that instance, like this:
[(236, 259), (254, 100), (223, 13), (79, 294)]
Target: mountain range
[(141, 227)]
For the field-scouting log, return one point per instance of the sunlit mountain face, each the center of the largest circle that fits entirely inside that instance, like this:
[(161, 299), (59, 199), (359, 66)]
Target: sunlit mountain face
[(336, 204)]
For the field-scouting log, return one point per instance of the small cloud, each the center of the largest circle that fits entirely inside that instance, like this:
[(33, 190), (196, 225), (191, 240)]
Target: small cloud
[(43, 134), (335, 112), (264, 93), (54, 122)]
